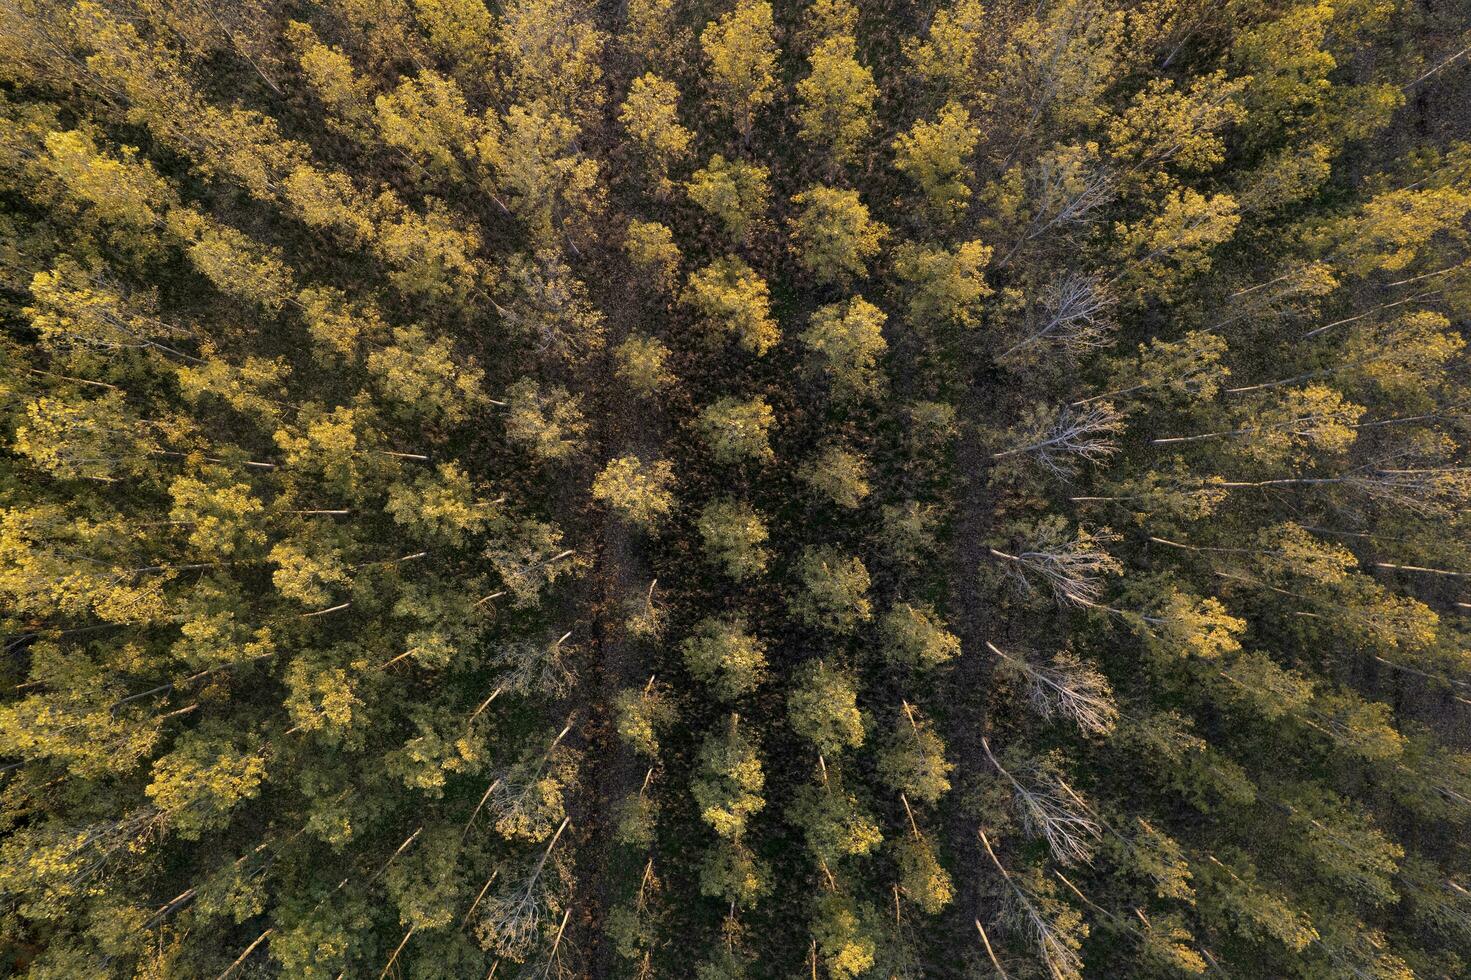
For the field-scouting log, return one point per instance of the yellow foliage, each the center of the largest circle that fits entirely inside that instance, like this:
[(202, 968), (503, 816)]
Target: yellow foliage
[(639, 491), (650, 246), (651, 116), (936, 156), (731, 190), (733, 299), (833, 235), (740, 51), (836, 100), (847, 340)]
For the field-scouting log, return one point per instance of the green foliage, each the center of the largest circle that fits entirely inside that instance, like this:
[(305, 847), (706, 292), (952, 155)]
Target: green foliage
[(356, 623), (724, 654), (735, 536), (834, 825), (914, 635), (946, 60), (640, 713), (837, 475), (548, 422), (737, 430), (843, 941), (642, 364), (651, 247), (921, 876), (947, 286), (727, 786), (635, 822), (912, 759), (834, 593), (823, 708), (733, 874)]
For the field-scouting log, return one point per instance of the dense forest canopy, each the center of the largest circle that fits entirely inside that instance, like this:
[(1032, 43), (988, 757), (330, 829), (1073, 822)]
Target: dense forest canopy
[(735, 489)]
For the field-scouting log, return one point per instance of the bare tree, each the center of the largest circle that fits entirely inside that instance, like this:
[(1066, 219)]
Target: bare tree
[(1061, 438), (1072, 568), (1051, 810), (534, 667), (511, 920), (1069, 188), (1428, 491), (1074, 317), (1058, 954), (1067, 688)]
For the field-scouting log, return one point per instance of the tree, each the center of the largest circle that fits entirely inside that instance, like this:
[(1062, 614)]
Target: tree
[(1067, 688), (732, 191), (836, 111), (948, 286), (846, 341), (733, 299), (460, 30), (651, 247), (740, 53), (727, 786), (551, 53), (1074, 317), (1189, 368), (846, 946), (202, 779), (839, 475), (650, 113), (908, 532), (936, 156), (834, 825), (834, 592), (915, 635), (642, 364), (733, 873), (1071, 566), (737, 430), (911, 759), (641, 712), (549, 422), (1050, 809), (428, 118), (946, 59), (1175, 244), (823, 709), (652, 35), (1062, 438), (723, 653), (921, 875), (551, 308), (639, 491), (832, 234), (333, 79), (735, 536), (537, 169)]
